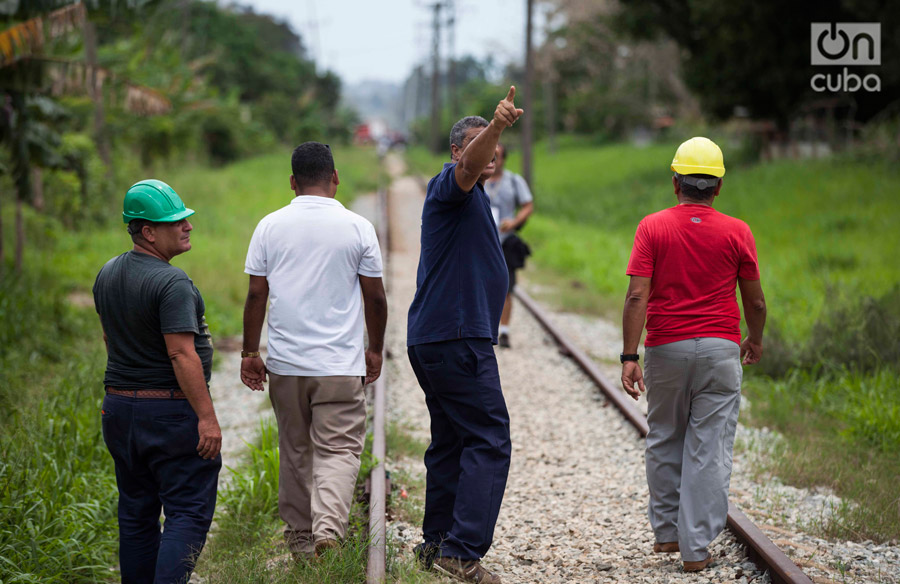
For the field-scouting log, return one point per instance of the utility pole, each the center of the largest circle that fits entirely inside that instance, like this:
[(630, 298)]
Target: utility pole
[(549, 95), (436, 79), (451, 75), (528, 126)]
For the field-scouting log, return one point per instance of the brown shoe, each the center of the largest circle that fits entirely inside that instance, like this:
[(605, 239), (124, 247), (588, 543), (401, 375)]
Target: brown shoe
[(669, 547), (697, 566), (323, 545), (465, 571)]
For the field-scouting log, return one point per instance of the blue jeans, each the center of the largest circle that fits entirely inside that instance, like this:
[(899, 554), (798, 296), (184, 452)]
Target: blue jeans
[(153, 443), (467, 461)]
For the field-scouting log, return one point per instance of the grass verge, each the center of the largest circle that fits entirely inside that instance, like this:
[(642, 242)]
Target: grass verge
[(57, 484), (57, 487), (836, 433), (825, 240), (247, 543)]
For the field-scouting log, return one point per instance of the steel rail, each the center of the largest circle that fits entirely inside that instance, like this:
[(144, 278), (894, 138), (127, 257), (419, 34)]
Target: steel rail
[(376, 565), (765, 554)]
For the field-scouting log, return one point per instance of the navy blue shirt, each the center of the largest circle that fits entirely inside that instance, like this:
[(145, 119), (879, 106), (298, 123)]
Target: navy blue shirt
[(462, 279)]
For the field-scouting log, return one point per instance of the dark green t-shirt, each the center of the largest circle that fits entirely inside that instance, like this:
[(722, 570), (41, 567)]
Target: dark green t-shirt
[(140, 298)]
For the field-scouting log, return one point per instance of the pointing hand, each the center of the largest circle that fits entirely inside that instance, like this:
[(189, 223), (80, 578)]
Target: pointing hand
[(506, 113)]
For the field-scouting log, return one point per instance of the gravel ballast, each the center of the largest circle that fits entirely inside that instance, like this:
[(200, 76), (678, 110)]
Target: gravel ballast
[(575, 503)]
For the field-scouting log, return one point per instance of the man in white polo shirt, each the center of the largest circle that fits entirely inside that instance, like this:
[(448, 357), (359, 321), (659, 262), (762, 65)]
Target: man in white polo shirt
[(310, 260)]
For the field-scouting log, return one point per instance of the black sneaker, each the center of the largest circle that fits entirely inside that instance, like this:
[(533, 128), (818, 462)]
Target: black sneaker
[(504, 341), (425, 553)]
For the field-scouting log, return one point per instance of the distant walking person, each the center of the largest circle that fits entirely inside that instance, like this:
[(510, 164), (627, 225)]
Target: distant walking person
[(460, 287), (310, 260), (158, 419), (511, 204), (684, 267)]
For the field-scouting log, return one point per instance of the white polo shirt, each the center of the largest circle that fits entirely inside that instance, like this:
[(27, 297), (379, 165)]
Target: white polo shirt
[(312, 253)]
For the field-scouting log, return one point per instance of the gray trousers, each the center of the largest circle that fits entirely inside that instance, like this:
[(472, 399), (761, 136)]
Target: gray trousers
[(693, 398), (321, 431)]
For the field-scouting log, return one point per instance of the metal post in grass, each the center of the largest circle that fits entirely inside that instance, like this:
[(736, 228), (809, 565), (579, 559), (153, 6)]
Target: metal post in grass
[(527, 94), (377, 529), (377, 533)]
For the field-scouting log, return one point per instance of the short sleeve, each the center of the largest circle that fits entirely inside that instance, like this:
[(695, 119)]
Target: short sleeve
[(178, 307), (370, 264), (641, 261), (749, 265), (523, 193), (444, 188), (256, 264)]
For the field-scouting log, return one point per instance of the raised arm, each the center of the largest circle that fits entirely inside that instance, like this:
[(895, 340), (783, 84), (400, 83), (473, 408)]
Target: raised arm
[(755, 314), (480, 151)]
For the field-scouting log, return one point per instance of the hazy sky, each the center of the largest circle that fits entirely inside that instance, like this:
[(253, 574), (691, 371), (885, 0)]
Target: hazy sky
[(384, 39)]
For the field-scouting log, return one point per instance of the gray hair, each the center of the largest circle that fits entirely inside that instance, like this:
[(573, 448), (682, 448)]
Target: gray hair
[(698, 187), (458, 132), (136, 227)]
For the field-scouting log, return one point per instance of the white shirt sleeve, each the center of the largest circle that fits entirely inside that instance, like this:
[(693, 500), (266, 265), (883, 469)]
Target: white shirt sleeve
[(256, 264), (370, 258), (523, 192)]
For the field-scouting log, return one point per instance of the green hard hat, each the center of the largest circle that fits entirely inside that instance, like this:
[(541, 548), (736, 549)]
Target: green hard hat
[(154, 200)]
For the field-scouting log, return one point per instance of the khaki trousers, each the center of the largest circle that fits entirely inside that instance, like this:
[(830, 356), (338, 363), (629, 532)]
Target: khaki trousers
[(321, 431), (693, 399)]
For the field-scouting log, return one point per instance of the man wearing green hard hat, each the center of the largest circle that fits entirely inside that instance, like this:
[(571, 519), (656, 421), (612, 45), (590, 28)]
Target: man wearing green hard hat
[(685, 265), (158, 419)]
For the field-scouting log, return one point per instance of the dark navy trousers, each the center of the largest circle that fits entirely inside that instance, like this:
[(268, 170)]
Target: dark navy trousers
[(153, 443), (467, 461)]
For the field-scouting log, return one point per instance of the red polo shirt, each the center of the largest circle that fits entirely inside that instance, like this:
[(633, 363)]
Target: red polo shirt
[(693, 256)]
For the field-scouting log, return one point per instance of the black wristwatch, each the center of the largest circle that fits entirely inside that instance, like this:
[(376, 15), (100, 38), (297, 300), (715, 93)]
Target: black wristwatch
[(632, 357)]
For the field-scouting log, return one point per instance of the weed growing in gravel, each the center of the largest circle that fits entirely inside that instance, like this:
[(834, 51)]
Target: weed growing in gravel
[(247, 545), (57, 486), (401, 444)]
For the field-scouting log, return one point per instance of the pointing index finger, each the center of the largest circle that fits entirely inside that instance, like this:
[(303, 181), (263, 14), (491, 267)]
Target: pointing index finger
[(512, 93)]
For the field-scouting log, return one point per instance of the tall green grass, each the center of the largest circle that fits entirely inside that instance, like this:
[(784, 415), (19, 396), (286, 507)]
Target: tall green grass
[(826, 238), (57, 486), (247, 543)]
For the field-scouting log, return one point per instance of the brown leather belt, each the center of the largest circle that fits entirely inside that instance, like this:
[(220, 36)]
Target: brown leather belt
[(148, 393)]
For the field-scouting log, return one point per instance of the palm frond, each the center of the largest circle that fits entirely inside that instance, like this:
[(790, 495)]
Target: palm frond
[(27, 39)]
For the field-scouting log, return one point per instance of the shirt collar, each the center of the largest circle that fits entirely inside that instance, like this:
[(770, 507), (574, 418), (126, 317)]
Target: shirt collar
[(315, 200)]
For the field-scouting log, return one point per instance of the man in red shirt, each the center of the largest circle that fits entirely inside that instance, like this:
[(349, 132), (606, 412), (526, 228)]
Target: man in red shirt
[(684, 267)]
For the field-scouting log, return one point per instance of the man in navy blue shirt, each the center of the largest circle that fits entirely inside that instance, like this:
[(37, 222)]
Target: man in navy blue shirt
[(460, 289)]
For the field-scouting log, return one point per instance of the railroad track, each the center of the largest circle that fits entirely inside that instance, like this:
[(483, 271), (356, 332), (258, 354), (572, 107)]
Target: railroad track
[(760, 549), (376, 565)]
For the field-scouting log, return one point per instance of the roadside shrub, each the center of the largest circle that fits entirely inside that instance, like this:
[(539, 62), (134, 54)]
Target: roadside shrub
[(250, 502), (860, 334), (57, 485)]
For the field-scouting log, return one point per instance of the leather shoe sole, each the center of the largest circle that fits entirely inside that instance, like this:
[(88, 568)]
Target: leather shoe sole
[(697, 566), (669, 547)]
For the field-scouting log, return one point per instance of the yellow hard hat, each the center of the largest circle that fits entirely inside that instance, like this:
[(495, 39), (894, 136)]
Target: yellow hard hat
[(699, 156)]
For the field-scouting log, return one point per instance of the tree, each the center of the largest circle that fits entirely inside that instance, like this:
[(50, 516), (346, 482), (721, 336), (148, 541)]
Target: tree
[(757, 54), (35, 58)]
